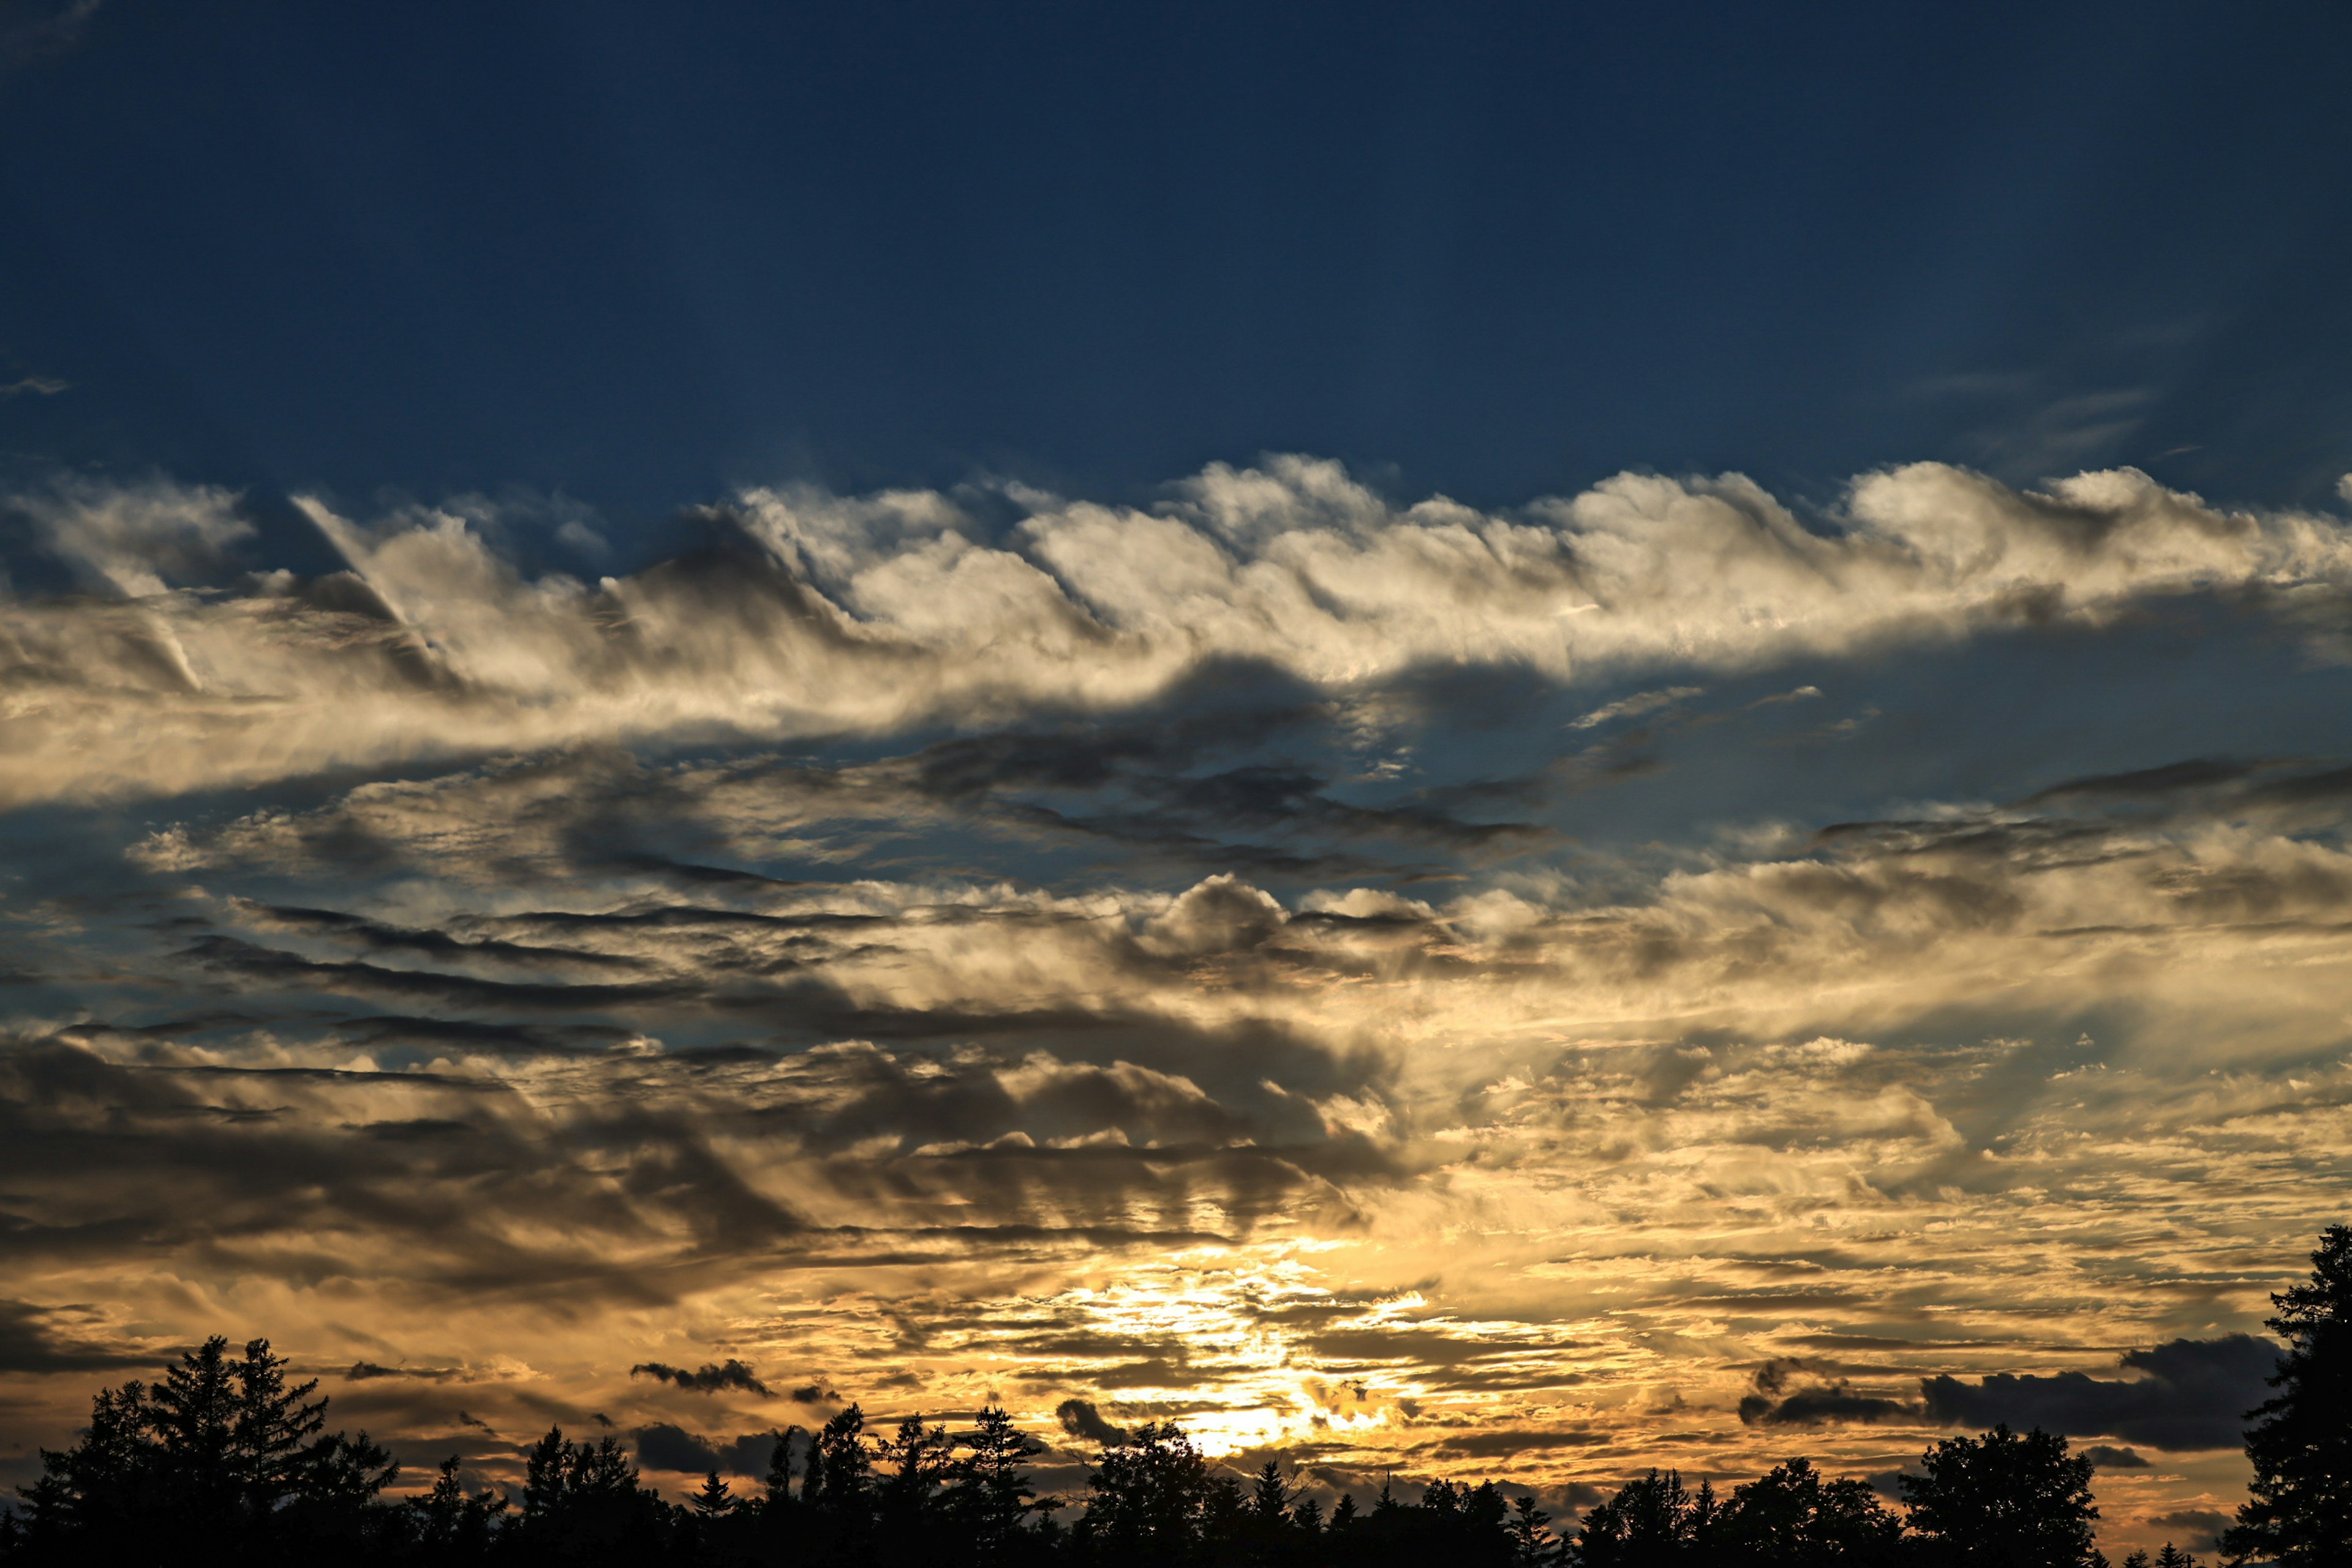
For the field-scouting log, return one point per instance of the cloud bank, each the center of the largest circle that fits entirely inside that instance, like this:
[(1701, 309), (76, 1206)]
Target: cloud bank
[(817, 614), (1635, 980)]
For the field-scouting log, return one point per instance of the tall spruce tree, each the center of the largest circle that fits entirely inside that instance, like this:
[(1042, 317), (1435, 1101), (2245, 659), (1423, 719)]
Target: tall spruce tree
[(2300, 1512)]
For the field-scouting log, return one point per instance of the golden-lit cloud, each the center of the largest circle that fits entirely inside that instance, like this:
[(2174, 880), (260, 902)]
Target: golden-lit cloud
[(1245, 961)]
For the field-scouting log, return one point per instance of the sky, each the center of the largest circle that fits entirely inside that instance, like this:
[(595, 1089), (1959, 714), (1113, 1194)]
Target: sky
[(1470, 741)]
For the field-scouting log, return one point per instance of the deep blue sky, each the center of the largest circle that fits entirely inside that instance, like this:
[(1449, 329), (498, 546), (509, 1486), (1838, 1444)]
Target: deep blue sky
[(638, 255)]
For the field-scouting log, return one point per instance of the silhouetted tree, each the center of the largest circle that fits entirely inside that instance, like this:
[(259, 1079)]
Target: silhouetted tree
[(1650, 1520), (1791, 1518), (1532, 1541), (910, 1519), (450, 1525), (714, 1501), (988, 1492), (2301, 1445), (2004, 1501), (1150, 1499), (221, 1451), (582, 1504), (225, 1459)]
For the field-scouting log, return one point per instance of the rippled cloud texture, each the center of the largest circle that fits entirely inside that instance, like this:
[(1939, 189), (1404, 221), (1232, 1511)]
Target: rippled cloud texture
[(1643, 978)]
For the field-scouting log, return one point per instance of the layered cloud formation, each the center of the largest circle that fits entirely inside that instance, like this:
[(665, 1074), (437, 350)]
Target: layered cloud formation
[(1639, 979), (813, 614)]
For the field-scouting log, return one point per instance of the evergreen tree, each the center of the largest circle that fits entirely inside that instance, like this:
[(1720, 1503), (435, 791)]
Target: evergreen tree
[(840, 1467), (714, 1501), (582, 1504), (195, 1415), (447, 1524), (2300, 1512), (222, 1452), (918, 1460), (776, 1491), (988, 1492), (1533, 1545), (1650, 1520), (271, 1434)]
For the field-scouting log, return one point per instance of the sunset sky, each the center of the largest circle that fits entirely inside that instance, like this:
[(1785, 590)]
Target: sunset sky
[(1459, 741)]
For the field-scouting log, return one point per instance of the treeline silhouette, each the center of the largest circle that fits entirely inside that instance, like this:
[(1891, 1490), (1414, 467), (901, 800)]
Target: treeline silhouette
[(225, 1459)]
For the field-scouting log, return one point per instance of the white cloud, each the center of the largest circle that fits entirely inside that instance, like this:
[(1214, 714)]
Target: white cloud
[(137, 540), (870, 613)]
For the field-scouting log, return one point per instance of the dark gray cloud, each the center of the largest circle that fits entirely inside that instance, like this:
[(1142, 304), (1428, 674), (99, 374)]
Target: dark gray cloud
[(36, 1338), (2191, 1393), (2113, 1458), (1081, 1420), (709, 1378), (1822, 1405), (635, 1151), (2195, 773), (1502, 1445), (2200, 1528), (666, 1447), (368, 1370)]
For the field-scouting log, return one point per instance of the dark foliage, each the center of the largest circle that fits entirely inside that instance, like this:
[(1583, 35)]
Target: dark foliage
[(2301, 1442), (2005, 1501)]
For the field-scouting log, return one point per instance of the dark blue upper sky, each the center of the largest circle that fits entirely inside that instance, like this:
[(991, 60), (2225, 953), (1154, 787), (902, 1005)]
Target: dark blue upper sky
[(640, 254)]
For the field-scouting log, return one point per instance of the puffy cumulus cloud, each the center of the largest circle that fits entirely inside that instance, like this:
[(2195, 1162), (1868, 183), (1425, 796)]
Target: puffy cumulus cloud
[(820, 614)]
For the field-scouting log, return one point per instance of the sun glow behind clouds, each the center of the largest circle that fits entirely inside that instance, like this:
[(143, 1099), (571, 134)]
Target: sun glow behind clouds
[(1633, 981)]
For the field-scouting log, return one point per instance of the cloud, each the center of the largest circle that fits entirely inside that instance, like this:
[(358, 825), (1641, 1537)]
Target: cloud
[(34, 1339), (2190, 1394), (2202, 1526), (38, 386), (2113, 1458), (365, 1371), (819, 614), (42, 29), (709, 1378), (137, 540), (986, 966), (1638, 704), (1821, 1406), (666, 1447), (1081, 1420)]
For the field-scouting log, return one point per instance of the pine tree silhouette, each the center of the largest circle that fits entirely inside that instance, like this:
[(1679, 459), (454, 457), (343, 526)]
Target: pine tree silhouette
[(2300, 1444)]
